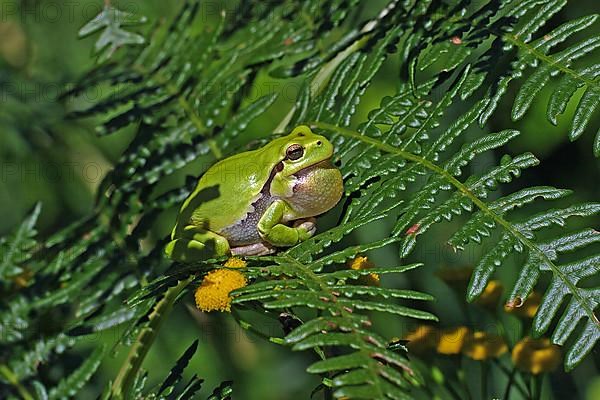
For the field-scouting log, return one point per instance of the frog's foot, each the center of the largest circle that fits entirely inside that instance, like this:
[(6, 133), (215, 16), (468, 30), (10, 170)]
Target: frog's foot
[(196, 244), (185, 250), (272, 229), (309, 225), (255, 249)]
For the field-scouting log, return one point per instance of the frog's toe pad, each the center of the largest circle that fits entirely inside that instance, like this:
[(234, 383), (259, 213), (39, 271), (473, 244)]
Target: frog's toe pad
[(309, 225)]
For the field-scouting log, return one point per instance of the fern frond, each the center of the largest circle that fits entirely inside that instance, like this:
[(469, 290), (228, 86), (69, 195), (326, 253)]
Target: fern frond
[(516, 236), (543, 256), (15, 249), (40, 350), (171, 386), (536, 54), (515, 29), (72, 384), (112, 20), (560, 63), (366, 364), (408, 167)]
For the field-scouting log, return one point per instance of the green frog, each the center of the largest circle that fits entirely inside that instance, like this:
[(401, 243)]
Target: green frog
[(256, 201)]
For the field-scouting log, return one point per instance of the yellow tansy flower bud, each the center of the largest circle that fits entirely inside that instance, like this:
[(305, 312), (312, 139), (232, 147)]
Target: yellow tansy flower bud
[(235, 262), (481, 346), (213, 292), (422, 339), (452, 340), (361, 263), (525, 309), (536, 355)]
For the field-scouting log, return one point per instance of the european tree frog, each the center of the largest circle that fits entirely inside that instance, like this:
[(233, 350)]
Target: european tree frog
[(253, 202)]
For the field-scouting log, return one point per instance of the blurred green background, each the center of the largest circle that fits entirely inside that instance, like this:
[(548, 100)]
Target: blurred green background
[(47, 158)]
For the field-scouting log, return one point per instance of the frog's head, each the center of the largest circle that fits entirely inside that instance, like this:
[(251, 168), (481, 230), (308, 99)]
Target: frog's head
[(302, 149), (304, 174)]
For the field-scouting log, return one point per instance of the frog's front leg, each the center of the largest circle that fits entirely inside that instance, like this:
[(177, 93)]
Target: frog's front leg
[(195, 244), (273, 231)]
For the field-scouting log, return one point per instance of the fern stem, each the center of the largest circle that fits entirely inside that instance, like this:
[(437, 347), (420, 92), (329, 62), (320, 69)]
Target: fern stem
[(460, 374), (451, 389), (511, 379), (549, 60), (512, 376), (589, 310), (327, 393), (483, 370), (11, 378), (123, 384), (536, 386)]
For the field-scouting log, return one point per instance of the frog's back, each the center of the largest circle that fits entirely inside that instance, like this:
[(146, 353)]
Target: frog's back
[(225, 193)]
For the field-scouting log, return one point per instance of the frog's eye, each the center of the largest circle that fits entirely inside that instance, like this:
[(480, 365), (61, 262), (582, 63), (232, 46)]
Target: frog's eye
[(294, 152)]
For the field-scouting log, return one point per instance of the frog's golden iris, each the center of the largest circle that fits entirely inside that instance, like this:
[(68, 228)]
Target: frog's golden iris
[(255, 201)]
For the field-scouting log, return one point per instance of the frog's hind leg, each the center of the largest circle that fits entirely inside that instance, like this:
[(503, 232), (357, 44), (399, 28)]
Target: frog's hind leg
[(196, 244), (255, 249)]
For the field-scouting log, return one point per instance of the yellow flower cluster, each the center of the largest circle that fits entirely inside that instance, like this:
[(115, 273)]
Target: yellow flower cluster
[(482, 345), (536, 355), (458, 340), (235, 262), (530, 355), (452, 340), (213, 292)]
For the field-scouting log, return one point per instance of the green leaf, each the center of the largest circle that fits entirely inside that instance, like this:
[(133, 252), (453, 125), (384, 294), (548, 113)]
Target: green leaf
[(111, 20), (71, 385), (175, 374), (16, 248)]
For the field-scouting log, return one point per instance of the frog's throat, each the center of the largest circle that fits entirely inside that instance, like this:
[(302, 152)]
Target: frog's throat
[(283, 186)]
